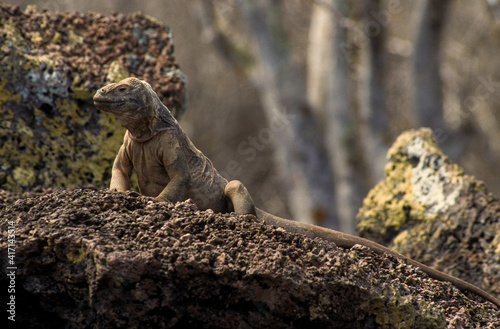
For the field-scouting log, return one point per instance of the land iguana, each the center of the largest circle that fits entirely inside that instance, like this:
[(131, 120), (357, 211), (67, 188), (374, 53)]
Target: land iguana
[(169, 167)]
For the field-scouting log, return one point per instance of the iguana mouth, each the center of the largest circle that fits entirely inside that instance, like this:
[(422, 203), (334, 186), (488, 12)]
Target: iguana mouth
[(108, 102)]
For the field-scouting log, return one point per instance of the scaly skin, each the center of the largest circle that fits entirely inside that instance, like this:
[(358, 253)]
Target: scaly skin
[(169, 167)]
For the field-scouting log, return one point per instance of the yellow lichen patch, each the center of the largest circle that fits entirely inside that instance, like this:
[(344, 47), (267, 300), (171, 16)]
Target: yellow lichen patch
[(150, 18), (57, 39), (7, 120), (15, 36), (415, 176), (31, 9), (6, 96), (396, 311), (74, 37), (62, 164), (23, 130), (53, 150), (82, 93), (45, 22), (117, 282), (33, 62), (397, 151), (392, 311), (75, 255), (69, 109), (419, 233), (387, 315), (55, 125), (495, 244), (140, 295), (18, 139), (109, 144), (36, 37), (390, 203), (24, 176), (116, 72)]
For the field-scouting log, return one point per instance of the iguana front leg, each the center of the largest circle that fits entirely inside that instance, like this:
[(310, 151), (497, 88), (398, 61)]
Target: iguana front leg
[(122, 170), (177, 168)]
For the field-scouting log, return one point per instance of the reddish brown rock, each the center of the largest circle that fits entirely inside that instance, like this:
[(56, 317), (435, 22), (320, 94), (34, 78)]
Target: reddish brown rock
[(50, 67)]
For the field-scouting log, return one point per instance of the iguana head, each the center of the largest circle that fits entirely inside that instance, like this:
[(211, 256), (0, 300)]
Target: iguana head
[(126, 97), (136, 105)]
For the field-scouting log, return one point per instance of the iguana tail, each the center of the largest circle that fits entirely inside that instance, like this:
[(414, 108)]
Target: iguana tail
[(344, 240)]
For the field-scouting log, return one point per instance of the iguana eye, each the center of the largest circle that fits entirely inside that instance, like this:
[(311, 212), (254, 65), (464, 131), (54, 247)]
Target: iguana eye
[(122, 88)]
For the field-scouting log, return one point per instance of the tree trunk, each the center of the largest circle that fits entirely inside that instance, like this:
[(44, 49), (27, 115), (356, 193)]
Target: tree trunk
[(427, 93), (371, 92), (328, 80), (300, 155)]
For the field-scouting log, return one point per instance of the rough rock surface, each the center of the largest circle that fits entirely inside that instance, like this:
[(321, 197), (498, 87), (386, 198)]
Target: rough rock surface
[(90, 258), (50, 67), (427, 209)]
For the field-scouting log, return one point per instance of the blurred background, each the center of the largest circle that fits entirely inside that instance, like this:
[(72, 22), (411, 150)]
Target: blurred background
[(301, 99)]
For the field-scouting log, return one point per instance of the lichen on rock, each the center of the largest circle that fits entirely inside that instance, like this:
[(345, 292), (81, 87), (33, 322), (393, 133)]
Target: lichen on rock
[(427, 209), (52, 64)]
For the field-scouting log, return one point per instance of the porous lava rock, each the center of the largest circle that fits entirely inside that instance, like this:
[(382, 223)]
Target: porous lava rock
[(51, 64), (91, 258), (427, 209)]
